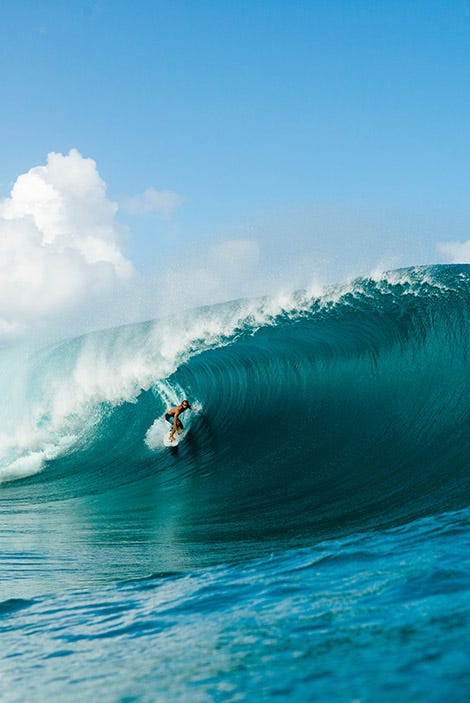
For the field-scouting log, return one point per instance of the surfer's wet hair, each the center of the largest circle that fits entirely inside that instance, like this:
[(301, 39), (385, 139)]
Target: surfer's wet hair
[(187, 403)]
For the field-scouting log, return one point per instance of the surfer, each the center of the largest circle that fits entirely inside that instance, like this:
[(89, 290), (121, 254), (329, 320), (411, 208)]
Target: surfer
[(173, 416)]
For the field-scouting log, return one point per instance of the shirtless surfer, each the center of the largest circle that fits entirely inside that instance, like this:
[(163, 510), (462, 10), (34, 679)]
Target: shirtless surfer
[(173, 416)]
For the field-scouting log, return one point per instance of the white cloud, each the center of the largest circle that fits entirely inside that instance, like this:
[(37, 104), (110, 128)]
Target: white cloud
[(162, 201), (62, 264), (455, 252), (60, 244)]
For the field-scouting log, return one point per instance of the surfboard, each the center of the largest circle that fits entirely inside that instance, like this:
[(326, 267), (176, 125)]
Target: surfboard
[(171, 442)]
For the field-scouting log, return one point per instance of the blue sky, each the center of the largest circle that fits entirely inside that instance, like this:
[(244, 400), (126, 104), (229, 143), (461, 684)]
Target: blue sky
[(337, 131)]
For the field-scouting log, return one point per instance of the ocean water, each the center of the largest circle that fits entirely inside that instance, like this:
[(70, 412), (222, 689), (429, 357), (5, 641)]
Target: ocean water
[(308, 540)]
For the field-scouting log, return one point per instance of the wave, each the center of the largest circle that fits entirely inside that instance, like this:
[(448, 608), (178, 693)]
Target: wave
[(318, 411)]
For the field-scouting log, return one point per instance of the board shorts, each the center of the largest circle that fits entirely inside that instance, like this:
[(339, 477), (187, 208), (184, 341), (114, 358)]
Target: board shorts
[(171, 420)]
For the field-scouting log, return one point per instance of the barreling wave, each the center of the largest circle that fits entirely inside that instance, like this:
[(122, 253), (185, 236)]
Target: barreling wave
[(318, 412)]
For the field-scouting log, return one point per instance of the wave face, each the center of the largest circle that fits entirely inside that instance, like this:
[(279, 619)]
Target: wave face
[(318, 415)]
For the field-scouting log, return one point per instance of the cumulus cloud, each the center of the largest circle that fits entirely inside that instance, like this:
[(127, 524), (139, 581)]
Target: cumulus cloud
[(60, 243), (455, 252), (62, 266), (162, 201)]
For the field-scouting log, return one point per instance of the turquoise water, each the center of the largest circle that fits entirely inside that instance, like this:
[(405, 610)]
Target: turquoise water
[(308, 539)]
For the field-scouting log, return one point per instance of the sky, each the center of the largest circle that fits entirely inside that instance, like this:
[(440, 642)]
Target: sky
[(161, 154)]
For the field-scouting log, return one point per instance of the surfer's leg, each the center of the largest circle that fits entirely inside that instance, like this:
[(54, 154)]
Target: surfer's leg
[(170, 419)]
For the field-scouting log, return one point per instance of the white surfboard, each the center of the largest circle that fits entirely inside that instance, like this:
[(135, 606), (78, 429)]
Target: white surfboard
[(172, 442)]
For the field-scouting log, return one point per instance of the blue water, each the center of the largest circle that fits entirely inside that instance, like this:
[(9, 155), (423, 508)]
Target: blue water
[(309, 538)]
